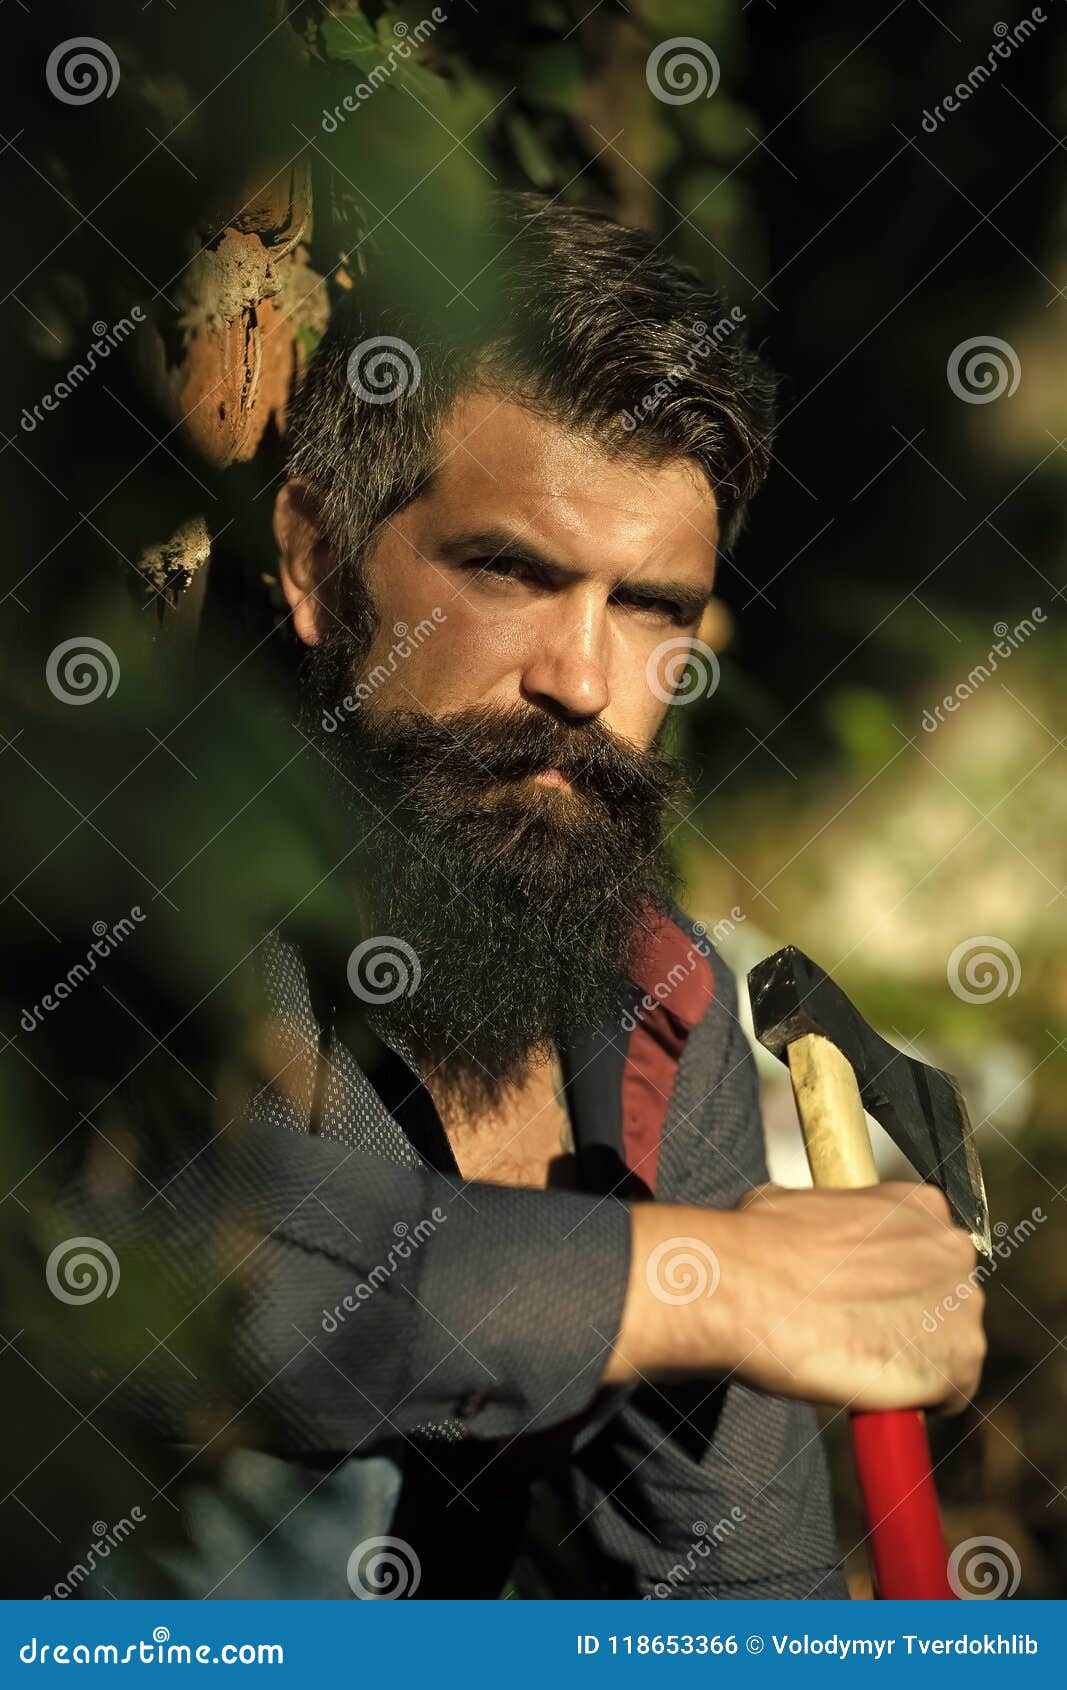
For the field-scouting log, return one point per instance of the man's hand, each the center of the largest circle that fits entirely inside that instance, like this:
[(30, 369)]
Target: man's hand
[(830, 1296)]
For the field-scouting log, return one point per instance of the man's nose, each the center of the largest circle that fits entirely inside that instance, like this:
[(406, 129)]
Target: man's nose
[(565, 672)]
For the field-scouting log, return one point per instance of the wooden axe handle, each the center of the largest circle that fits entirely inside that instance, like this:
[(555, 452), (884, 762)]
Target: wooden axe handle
[(906, 1544), (831, 1114)]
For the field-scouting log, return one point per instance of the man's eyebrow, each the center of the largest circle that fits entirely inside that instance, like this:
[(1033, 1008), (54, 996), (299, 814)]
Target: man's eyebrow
[(497, 543), (490, 544), (691, 601)]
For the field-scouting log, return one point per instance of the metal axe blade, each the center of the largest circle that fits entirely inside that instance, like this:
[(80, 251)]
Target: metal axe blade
[(921, 1108)]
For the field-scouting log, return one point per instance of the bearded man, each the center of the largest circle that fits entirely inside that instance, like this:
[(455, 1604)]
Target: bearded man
[(528, 1315)]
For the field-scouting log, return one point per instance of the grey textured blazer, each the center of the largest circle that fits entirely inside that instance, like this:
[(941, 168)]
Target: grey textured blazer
[(421, 1357)]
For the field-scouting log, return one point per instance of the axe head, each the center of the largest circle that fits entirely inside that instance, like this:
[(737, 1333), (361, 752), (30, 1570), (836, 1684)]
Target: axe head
[(921, 1108)]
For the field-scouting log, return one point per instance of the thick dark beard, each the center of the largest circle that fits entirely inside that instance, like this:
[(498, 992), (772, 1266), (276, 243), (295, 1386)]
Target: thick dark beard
[(526, 905)]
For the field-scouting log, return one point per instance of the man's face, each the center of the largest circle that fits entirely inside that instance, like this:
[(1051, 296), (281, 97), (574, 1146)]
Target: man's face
[(505, 725), (556, 571)]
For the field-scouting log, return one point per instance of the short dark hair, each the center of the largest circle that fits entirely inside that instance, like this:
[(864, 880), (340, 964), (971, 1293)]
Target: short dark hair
[(588, 322)]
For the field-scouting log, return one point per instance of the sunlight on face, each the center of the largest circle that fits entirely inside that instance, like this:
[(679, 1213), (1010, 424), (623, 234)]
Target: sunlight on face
[(555, 571)]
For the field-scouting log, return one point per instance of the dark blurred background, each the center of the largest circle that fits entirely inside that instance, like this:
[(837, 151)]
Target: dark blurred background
[(196, 196)]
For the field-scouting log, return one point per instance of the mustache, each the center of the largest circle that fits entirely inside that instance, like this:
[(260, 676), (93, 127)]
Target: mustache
[(485, 746)]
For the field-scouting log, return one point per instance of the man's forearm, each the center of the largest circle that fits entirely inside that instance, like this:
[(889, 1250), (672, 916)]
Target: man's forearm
[(376, 1297), (817, 1295)]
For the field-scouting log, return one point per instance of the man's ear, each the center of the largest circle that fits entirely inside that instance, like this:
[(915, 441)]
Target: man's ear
[(304, 556)]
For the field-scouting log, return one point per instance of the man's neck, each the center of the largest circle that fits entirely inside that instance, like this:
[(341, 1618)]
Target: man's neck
[(521, 1138)]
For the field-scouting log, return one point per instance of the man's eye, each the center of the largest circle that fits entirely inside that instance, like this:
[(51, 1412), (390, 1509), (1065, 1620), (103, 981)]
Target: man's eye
[(498, 568), (663, 610), (672, 611)]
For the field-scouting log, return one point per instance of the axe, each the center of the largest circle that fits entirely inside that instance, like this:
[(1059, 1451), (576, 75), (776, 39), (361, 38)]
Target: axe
[(841, 1067)]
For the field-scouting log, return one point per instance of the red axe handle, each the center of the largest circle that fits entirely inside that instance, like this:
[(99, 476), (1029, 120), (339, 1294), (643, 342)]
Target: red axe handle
[(905, 1542)]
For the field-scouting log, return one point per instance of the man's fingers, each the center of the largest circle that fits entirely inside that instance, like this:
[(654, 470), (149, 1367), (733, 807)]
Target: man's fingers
[(929, 1198), (765, 1193)]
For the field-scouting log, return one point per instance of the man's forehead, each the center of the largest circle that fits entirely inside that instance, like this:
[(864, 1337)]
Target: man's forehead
[(507, 463)]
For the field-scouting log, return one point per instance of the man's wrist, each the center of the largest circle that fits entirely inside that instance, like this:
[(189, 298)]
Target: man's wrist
[(679, 1317)]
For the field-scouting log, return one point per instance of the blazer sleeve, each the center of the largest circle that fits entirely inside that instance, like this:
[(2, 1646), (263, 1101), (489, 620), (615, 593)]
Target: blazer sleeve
[(360, 1298)]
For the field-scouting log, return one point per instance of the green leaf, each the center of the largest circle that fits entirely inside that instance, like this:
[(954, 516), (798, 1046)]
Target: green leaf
[(720, 126), (532, 156), (550, 76), (349, 39), (352, 41)]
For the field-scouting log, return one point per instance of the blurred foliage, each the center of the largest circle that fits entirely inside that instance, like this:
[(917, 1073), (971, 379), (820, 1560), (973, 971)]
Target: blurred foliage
[(899, 526)]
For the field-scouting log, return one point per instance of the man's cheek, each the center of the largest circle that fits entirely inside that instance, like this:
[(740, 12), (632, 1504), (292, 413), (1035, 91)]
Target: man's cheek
[(407, 660), (480, 655), (636, 711)]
